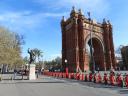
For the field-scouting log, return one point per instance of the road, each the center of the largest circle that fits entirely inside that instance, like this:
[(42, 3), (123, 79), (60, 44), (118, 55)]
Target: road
[(49, 86)]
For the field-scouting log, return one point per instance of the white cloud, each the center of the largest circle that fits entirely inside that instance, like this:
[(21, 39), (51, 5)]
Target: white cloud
[(26, 19), (17, 19), (29, 19), (54, 14), (96, 7), (27, 16)]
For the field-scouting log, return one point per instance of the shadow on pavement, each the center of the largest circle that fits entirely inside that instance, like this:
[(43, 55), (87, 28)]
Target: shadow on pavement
[(119, 90), (123, 91)]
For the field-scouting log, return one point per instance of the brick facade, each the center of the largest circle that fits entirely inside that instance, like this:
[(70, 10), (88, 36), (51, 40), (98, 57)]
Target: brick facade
[(124, 53), (76, 41)]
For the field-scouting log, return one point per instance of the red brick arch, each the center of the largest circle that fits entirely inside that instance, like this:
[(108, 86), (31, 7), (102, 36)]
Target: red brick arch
[(76, 34)]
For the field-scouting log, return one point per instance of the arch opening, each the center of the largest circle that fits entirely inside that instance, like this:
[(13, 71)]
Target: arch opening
[(97, 54)]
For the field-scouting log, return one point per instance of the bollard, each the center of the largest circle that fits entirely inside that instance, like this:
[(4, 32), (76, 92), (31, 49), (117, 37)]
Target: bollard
[(90, 77), (112, 79), (86, 78), (117, 80), (94, 78), (72, 75), (67, 75), (0, 78), (126, 80), (62, 75), (78, 76), (105, 79), (99, 78), (82, 77), (120, 81)]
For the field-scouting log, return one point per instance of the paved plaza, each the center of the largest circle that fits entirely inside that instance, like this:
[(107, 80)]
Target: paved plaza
[(48, 86)]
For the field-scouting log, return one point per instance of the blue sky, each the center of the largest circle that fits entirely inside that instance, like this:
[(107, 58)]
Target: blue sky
[(39, 20)]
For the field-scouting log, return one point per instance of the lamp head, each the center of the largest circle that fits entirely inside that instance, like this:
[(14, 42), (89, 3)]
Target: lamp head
[(65, 61)]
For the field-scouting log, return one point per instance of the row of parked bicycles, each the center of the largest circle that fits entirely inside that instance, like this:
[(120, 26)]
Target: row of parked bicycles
[(112, 78)]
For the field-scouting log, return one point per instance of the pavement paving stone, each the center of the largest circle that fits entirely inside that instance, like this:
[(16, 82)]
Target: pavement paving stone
[(49, 86)]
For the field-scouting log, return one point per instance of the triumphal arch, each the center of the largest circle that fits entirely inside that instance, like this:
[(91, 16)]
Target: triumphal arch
[(80, 35)]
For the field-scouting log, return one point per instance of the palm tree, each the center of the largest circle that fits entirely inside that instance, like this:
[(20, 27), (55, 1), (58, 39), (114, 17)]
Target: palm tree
[(38, 54)]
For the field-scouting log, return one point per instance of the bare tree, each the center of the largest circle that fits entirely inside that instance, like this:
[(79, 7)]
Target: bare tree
[(10, 47)]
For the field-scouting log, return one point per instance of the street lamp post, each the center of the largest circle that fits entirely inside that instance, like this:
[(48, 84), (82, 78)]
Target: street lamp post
[(91, 44), (66, 65)]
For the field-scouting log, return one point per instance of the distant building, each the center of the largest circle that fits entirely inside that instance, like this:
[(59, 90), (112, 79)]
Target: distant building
[(119, 62), (124, 53), (118, 57)]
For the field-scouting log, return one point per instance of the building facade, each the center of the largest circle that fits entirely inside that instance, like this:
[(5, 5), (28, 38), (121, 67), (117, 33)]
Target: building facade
[(78, 35), (124, 53)]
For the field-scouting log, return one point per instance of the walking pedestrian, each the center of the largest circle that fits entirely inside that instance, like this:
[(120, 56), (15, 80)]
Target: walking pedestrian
[(15, 73)]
